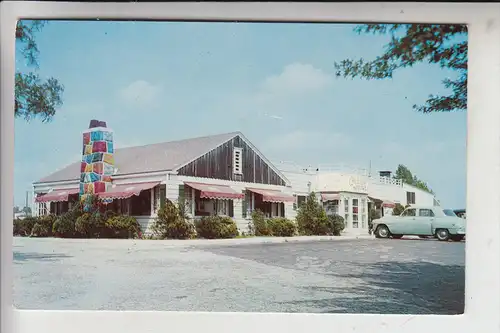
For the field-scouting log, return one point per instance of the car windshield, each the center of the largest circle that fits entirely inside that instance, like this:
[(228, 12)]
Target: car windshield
[(449, 212)]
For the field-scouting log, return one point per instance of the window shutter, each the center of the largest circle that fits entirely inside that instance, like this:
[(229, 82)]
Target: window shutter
[(230, 208), (163, 194), (244, 205), (181, 193)]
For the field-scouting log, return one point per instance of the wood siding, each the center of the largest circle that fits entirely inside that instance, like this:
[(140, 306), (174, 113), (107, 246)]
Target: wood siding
[(218, 164)]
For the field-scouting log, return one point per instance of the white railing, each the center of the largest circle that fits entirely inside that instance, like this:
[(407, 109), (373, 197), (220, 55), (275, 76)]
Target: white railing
[(390, 181), (289, 166)]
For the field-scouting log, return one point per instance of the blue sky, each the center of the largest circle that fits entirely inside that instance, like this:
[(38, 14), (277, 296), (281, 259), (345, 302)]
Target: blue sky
[(162, 81)]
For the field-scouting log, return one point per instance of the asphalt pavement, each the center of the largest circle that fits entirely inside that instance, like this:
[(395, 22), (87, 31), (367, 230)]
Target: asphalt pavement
[(348, 276)]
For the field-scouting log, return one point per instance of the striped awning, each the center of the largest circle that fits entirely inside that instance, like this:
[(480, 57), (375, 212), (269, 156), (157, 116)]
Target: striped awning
[(211, 191), (125, 191), (59, 195), (330, 196), (273, 195), (388, 204)]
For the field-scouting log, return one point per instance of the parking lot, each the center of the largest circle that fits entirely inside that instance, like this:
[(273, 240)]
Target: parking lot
[(344, 276)]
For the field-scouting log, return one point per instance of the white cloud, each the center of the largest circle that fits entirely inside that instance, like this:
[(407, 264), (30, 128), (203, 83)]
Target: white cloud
[(297, 78), (140, 93)]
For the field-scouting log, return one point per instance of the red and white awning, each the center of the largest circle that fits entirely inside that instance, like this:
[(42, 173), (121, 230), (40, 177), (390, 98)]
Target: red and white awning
[(273, 195), (210, 191), (60, 195), (388, 204), (330, 196), (125, 191)]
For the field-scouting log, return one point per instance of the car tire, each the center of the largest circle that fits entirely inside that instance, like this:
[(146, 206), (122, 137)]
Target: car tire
[(443, 235), (382, 232), (457, 238), (397, 236)]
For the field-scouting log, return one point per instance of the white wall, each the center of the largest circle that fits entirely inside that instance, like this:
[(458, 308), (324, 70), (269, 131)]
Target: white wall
[(301, 183), (173, 194), (397, 194)]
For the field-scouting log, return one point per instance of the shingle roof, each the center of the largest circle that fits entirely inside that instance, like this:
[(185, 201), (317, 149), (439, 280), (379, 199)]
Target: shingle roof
[(150, 158)]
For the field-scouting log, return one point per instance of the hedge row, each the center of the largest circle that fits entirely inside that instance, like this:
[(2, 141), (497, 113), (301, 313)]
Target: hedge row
[(173, 222), (79, 224)]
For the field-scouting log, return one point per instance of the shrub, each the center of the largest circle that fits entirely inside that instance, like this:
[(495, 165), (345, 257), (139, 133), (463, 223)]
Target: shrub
[(336, 224), (282, 227), (259, 225), (173, 223), (212, 227), (43, 226), (311, 218), (90, 225), (64, 226), (23, 227), (122, 226)]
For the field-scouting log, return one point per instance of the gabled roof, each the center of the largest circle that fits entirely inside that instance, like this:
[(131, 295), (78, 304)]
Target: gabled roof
[(166, 156)]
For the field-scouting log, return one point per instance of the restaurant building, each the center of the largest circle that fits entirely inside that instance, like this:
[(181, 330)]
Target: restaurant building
[(221, 174)]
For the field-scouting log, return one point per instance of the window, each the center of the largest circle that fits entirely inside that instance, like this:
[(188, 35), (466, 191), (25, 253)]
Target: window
[(449, 212), (140, 205), (59, 208), (332, 207), (300, 200), (42, 209), (355, 217), (159, 193), (121, 206), (246, 204), (410, 198), (346, 211), (363, 213), (181, 193), (425, 212), (237, 163), (409, 212), (223, 207)]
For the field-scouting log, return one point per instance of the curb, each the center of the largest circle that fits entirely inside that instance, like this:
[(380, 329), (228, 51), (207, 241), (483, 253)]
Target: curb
[(212, 242)]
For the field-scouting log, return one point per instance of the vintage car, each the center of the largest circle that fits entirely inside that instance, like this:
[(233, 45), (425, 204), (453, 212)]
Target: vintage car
[(422, 221)]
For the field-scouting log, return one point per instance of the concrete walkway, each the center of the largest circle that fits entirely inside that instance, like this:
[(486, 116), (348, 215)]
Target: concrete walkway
[(200, 242)]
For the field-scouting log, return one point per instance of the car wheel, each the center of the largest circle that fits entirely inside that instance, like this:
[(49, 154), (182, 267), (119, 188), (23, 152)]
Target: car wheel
[(442, 234), (397, 236), (457, 238), (382, 232)]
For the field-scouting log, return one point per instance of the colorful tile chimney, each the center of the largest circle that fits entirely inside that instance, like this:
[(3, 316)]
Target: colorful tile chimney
[(97, 164)]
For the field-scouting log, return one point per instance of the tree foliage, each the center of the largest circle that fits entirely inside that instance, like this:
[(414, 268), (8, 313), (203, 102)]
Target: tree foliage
[(311, 217), (34, 97), (398, 209), (405, 175), (411, 44)]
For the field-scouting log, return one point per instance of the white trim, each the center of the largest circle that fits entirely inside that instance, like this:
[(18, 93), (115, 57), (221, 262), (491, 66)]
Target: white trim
[(140, 175), (53, 184)]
